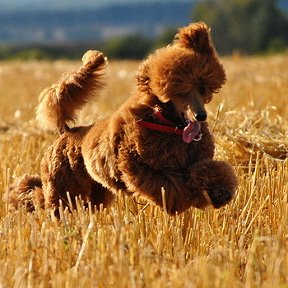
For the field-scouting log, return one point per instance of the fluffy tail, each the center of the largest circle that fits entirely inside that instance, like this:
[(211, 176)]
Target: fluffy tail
[(60, 102), (26, 191)]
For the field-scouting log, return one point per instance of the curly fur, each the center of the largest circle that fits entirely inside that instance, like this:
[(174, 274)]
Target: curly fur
[(60, 102), (117, 154)]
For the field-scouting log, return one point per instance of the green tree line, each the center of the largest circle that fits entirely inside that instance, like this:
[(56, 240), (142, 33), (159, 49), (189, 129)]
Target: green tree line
[(245, 26), (132, 46)]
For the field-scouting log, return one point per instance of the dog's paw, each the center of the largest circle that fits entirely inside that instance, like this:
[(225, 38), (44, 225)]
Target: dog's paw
[(219, 196), (93, 59), (216, 182)]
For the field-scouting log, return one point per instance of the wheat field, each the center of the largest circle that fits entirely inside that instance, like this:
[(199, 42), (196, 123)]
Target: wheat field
[(133, 243)]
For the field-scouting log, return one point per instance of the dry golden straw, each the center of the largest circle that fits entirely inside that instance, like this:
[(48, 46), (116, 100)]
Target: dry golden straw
[(134, 244)]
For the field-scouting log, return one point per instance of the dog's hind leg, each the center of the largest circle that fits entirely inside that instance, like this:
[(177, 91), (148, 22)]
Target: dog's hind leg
[(63, 170), (26, 191)]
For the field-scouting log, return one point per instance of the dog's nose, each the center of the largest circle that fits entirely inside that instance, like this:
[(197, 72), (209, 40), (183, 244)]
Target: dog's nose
[(201, 116)]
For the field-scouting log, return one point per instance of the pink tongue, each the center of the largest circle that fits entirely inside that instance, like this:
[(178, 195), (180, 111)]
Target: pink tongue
[(190, 131)]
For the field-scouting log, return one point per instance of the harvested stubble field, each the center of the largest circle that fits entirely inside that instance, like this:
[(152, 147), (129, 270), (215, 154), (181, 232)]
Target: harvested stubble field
[(134, 244)]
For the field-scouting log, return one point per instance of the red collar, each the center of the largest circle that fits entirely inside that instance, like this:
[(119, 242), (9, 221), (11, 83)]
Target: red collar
[(169, 126)]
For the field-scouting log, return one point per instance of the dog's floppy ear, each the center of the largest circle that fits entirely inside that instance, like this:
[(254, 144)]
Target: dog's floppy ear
[(196, 36)]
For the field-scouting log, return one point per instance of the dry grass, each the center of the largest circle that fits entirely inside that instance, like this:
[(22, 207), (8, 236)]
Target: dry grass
[(132, 244)]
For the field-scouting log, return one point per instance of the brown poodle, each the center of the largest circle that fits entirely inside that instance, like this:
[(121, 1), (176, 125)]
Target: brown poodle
[(157, 141)]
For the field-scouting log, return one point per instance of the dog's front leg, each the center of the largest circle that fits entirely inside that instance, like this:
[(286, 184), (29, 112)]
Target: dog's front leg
[(141, 179), (207, 182)]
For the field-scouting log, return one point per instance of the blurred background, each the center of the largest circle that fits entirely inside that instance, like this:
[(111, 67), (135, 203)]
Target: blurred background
[(40, 29)]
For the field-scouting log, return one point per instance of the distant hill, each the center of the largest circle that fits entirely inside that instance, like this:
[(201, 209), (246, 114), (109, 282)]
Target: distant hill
[(53, 5), (68, 26)]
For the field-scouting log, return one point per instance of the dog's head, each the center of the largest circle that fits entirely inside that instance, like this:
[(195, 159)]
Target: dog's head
[(185, 74)]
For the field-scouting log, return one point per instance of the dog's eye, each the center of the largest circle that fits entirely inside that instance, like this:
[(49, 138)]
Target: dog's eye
[(202, 90), (181, 95)]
